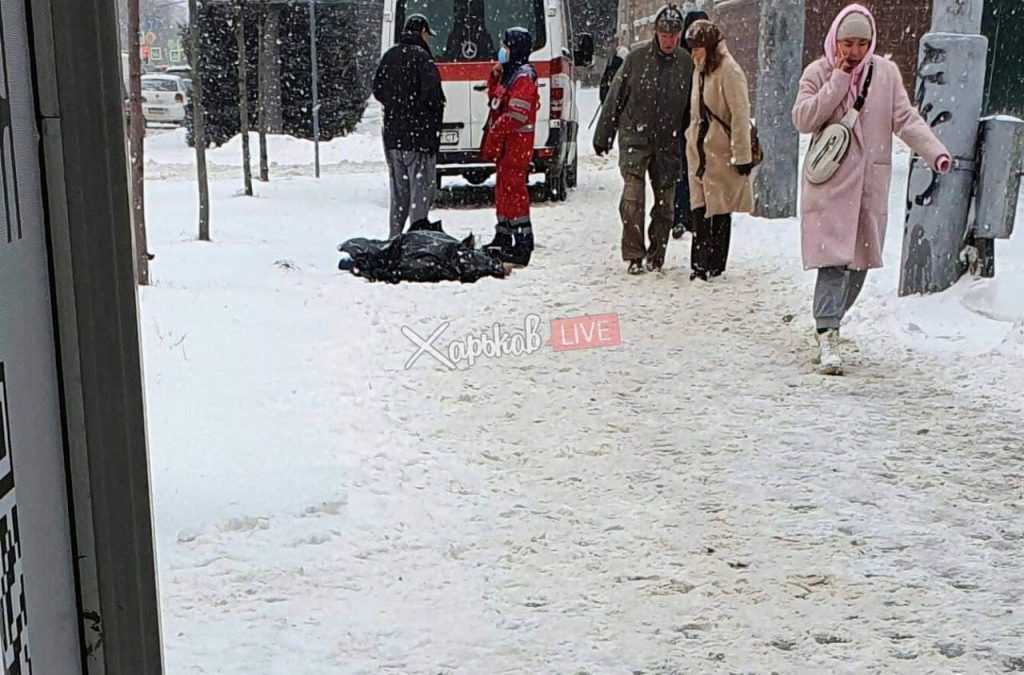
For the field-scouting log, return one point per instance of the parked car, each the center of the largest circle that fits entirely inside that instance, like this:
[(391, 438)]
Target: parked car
[(184, 72), (163, 99)]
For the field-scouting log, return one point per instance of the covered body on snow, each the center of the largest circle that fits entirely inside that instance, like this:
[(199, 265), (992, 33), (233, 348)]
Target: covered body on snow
[(419, 255)]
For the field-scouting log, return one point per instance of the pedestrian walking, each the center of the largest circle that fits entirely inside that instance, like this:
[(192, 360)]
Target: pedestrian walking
[(844, 209), (719, 149), (682, 214), (646, 107), (508, 142), (408, 86)]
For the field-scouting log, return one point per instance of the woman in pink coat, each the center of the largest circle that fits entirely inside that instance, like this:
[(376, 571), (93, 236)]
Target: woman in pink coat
[(844, 219)]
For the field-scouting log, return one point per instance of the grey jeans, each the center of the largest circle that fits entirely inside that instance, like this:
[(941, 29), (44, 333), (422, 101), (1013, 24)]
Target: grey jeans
[(413, 181), (834, 294)]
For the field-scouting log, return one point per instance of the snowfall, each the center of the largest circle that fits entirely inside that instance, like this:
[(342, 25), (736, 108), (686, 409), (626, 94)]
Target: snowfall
[(695, 499)]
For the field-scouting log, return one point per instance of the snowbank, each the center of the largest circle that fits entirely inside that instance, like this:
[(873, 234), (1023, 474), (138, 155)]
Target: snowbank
[(364, 145)]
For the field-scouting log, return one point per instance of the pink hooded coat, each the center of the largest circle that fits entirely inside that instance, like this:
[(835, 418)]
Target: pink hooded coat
[(843, 221)]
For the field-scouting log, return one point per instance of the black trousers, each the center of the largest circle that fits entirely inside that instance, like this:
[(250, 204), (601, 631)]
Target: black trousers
[(681, 213), (709, 251)]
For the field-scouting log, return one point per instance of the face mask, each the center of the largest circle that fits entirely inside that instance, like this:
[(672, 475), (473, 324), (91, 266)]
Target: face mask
[(503, 54)]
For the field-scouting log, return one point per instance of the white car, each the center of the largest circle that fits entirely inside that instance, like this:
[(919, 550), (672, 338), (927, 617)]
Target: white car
[(163, 99)]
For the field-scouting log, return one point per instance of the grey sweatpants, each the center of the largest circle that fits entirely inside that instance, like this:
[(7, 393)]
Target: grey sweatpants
[(834, 294), (413, 180)]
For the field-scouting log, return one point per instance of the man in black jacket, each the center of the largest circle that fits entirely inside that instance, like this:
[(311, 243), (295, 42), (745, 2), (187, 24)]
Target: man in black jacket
[(408, 85)]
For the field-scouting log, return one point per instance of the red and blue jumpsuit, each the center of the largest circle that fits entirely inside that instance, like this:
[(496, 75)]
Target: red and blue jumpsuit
[(508, 140)]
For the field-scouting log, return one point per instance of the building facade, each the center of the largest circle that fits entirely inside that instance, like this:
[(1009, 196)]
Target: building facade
[(901, 23)]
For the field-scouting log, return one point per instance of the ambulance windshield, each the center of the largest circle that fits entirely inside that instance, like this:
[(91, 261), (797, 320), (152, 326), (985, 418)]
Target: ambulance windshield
[(471, 30)]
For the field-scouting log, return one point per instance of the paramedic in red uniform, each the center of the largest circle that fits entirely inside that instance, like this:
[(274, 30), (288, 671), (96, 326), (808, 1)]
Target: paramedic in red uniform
[(508, 142)]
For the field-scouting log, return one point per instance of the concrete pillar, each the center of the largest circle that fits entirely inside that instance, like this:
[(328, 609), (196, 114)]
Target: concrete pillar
[(780, 62), (272, 70), (951, 81)]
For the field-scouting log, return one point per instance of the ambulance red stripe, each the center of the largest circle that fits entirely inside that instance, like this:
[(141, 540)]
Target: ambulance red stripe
[(481, 70)]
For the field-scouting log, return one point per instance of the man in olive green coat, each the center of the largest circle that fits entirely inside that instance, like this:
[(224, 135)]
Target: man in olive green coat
[(648, 106)]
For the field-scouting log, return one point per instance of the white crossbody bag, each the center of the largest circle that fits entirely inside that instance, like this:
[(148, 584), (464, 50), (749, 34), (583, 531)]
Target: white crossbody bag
[(830, 146)]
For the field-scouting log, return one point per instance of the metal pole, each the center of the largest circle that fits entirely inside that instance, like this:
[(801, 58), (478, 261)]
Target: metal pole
[(950, 92), (314, 77)]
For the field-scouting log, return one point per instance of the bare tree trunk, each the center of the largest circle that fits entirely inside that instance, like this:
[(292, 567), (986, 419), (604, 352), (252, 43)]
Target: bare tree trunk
[(136, 132), (243, 99), (261, 71), (199, 122)]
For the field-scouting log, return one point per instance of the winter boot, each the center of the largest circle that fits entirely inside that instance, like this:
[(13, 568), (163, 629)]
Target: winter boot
[(830, 363), (678, 230), (502, 243), (636, 266), (519, 254)]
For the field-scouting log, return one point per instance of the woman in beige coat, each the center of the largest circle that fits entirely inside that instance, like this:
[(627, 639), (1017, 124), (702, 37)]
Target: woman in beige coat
[(717, 148)]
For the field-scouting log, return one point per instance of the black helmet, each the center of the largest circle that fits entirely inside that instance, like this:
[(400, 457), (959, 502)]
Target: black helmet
[(519, 43)]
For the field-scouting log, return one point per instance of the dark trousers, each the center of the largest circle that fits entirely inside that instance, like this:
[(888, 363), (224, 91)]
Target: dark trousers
[(709, 251), (682, 198)]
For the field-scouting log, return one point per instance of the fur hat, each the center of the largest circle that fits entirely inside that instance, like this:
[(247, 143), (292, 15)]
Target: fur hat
[(703, 34), (855, 26)]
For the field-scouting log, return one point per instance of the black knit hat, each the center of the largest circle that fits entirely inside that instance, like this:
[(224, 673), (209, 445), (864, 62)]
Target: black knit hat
[(417, 23)]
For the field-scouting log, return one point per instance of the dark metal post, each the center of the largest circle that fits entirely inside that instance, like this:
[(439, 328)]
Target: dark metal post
[(314, 77)]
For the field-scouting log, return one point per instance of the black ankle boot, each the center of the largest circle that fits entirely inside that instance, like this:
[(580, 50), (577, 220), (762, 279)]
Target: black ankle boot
[(523, 246), (502, 242)]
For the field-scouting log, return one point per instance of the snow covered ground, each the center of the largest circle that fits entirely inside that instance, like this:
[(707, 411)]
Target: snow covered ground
[(695, 500)]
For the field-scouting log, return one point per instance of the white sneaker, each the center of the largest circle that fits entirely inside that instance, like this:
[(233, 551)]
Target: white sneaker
[(830, 362)]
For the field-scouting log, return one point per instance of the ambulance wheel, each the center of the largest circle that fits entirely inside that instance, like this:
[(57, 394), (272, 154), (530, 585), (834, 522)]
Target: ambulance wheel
[(476, 177)]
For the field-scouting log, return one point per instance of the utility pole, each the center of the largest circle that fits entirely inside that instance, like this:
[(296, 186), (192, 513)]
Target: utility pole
[(199, 122), (951, 87), (243, 99), (780, 62), (314, 77), (261, 71), (136, 134)]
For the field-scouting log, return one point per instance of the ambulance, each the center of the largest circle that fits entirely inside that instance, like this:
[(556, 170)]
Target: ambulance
[(466, 47)]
